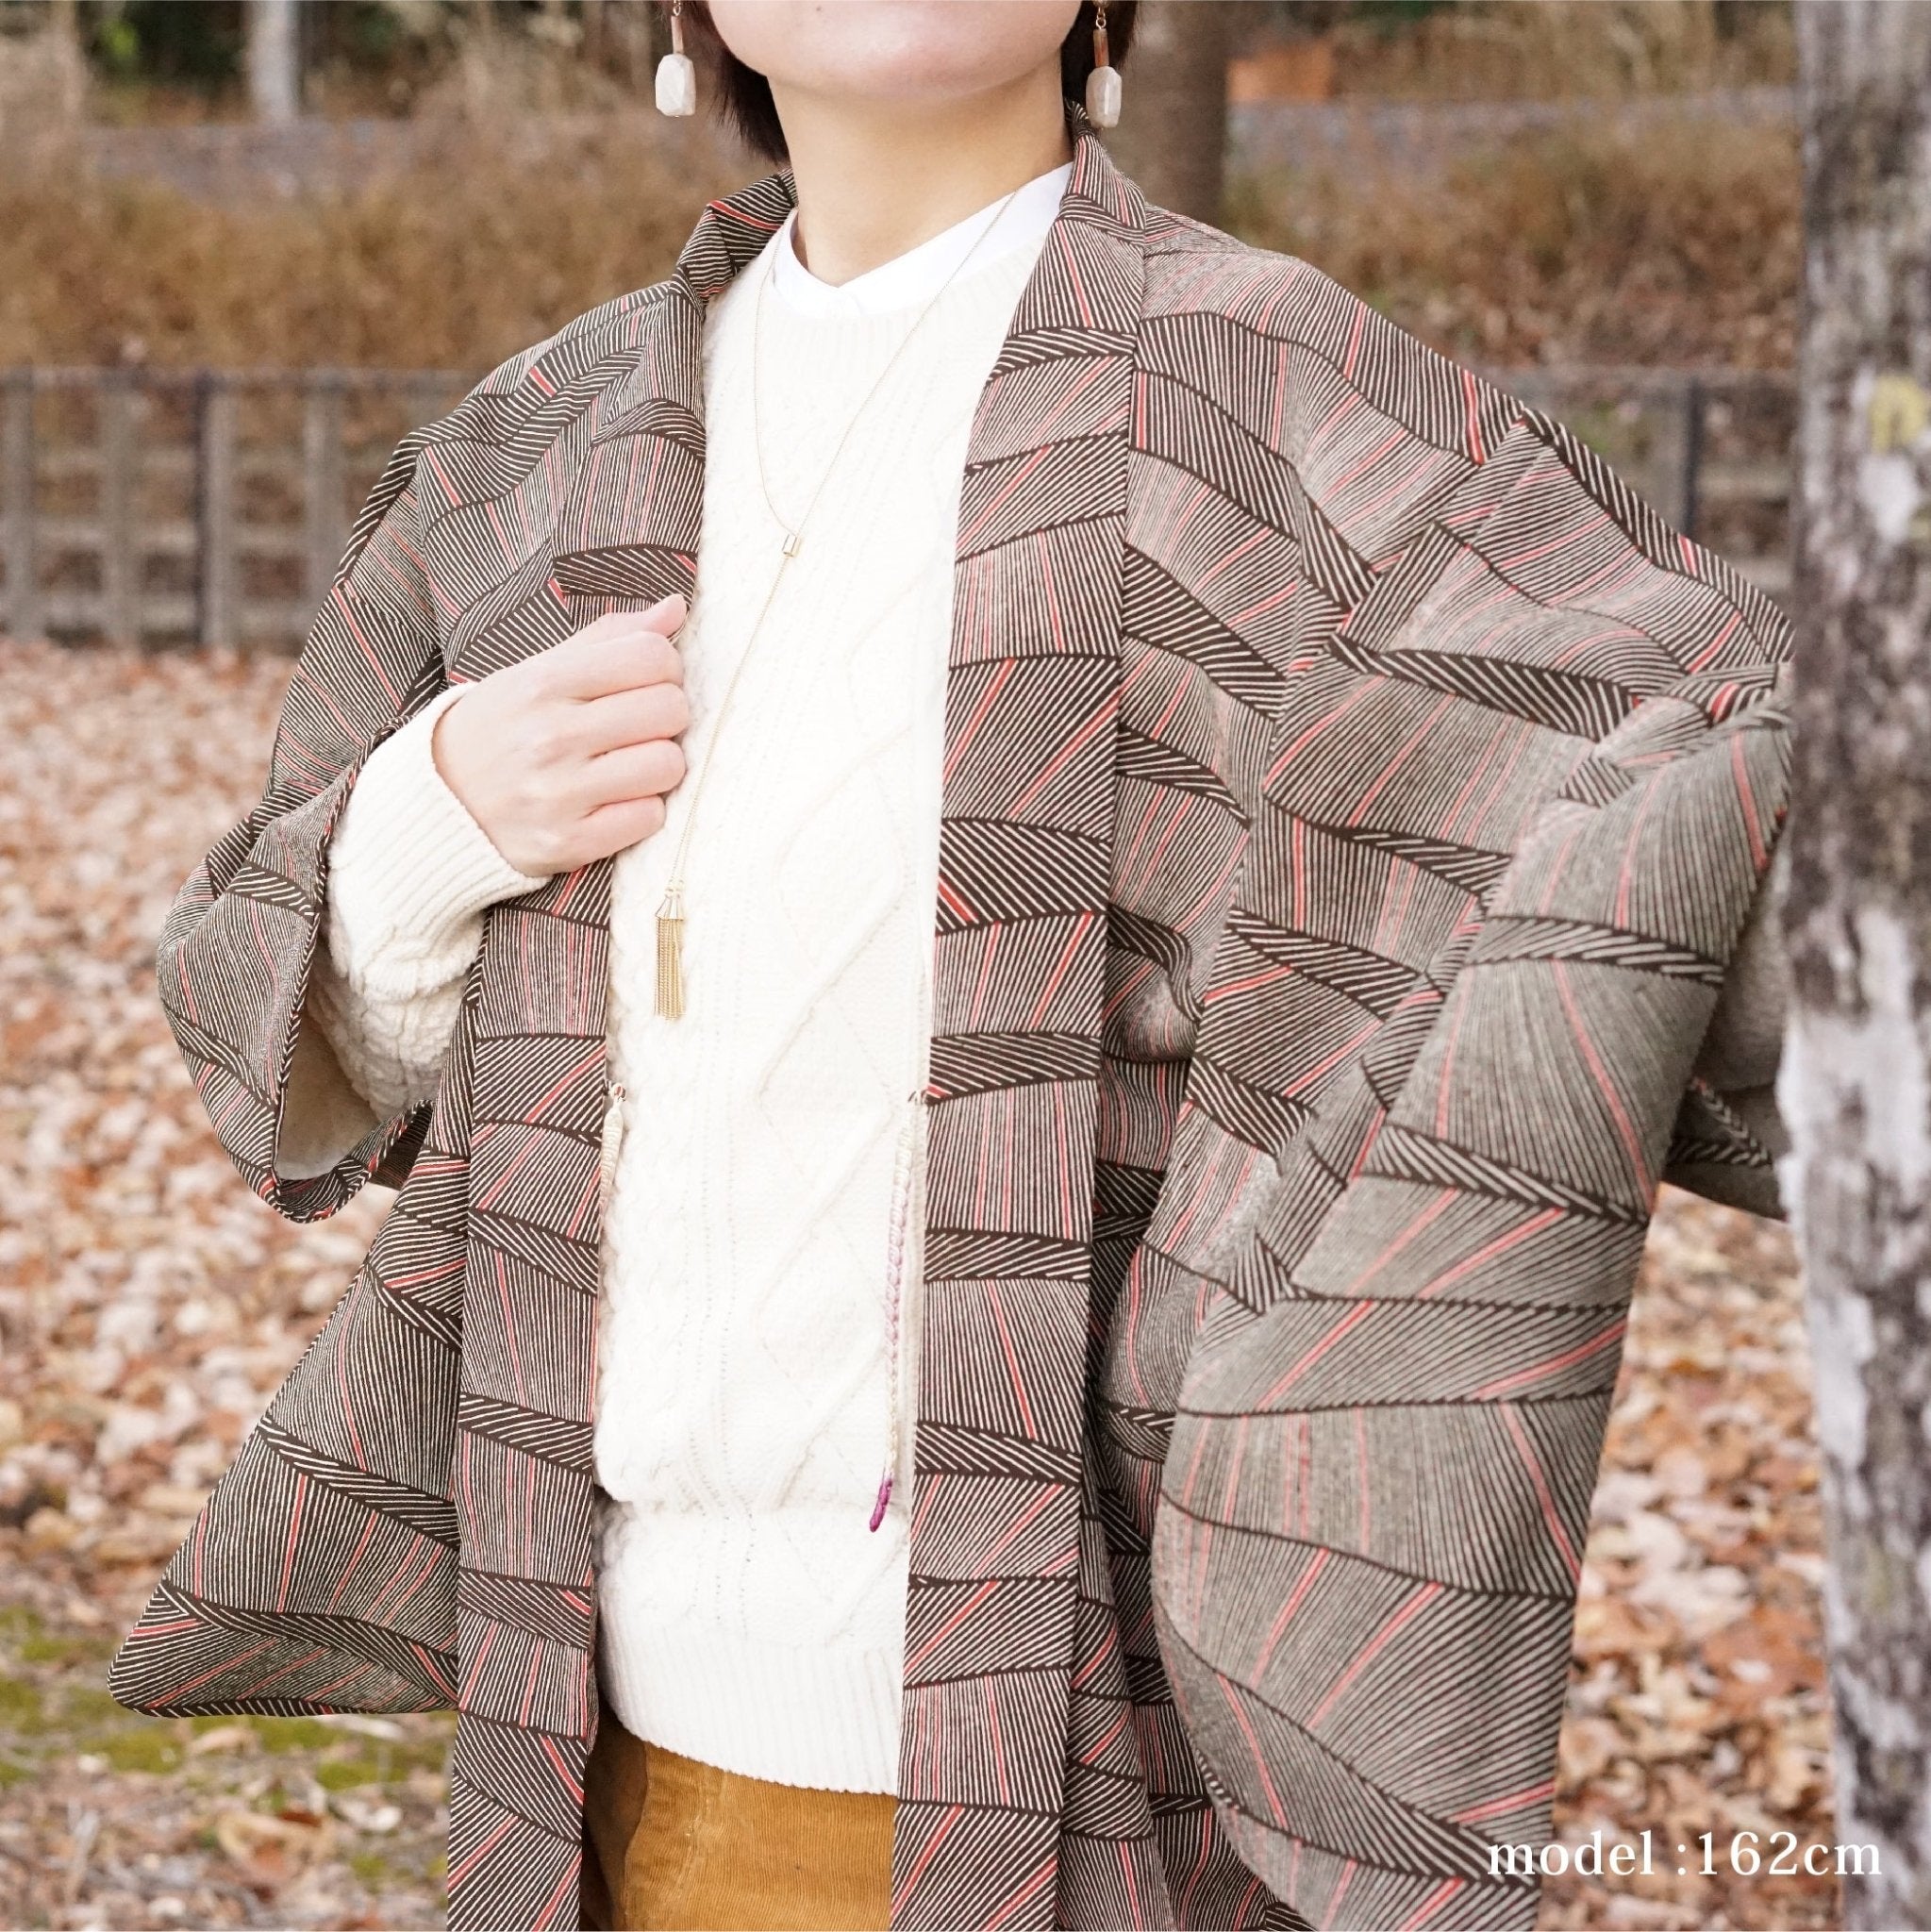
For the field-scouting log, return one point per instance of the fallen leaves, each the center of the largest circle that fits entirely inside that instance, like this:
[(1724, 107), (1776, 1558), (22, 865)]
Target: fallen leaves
[(272, 1849), (1697, 1703), (224, 1737), (149, 1307)]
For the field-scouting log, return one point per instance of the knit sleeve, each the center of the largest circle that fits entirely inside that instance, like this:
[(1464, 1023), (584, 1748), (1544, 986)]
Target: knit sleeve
[(410, 877)]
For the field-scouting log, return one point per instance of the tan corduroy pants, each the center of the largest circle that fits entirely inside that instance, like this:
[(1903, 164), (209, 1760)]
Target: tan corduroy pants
[(670, 1842)]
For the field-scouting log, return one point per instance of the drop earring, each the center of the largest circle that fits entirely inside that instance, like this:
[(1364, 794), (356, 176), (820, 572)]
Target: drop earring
[(1103, 83), (676, 76)]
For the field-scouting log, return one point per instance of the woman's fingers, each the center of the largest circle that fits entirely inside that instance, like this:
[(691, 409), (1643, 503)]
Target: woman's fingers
[(633, 771), (565, 756), (616, 654), (665, 615), (615, 828), (632, 717)]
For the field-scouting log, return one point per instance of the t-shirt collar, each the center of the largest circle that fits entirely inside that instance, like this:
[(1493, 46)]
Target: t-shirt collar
[(919, 274)]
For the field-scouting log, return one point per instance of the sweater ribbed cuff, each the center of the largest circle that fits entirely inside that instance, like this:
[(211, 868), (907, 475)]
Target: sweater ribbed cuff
[(406, 858)]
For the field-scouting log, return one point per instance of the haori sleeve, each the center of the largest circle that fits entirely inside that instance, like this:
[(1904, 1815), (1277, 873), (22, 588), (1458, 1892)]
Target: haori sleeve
[(238, 950), (1375, 1501), (1729, 1135)]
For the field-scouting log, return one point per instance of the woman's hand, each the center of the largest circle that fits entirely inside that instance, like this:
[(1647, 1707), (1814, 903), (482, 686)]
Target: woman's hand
[(565, 758)]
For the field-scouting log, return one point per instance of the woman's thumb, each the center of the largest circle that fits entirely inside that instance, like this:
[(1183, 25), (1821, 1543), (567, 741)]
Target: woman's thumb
[(666, 614)]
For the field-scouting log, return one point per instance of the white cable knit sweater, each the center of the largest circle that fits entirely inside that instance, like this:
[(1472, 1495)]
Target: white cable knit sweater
[(749, 1617)]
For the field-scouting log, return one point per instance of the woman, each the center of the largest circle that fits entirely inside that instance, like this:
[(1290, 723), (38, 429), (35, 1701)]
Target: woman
[(1141, 1481)]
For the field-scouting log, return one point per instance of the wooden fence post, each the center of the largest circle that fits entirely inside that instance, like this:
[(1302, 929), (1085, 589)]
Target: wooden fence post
[(120, 570), (1694, 410), (323, 484), (216, 586), (17, 490)]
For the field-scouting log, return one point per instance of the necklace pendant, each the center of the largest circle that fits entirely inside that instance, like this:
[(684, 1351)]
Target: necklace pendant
[(793, 542), (670, 986)]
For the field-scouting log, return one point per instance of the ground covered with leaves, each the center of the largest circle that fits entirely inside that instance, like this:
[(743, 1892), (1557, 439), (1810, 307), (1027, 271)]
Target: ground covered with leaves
[(149, 1306)]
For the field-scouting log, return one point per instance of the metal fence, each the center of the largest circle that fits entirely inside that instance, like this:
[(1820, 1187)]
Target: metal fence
[(169, 508)]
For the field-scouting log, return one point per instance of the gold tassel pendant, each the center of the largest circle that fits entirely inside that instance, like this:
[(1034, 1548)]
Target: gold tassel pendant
[(670, 1002)]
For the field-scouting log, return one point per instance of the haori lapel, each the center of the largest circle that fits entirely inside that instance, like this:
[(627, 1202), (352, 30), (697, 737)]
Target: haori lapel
[(627, 533), (1025, 845), (523, 1485)]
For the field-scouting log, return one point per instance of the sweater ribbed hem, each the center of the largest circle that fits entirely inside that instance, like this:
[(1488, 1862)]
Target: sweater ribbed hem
[(408, 856), (824, 1719)]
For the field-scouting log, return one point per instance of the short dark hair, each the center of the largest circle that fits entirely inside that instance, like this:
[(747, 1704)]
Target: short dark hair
[(743, 96)]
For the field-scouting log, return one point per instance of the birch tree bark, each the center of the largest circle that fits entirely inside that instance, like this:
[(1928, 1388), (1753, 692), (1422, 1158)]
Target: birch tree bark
[(1856, 1090)]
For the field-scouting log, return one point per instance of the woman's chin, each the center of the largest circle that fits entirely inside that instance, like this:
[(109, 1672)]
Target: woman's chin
[(918, 52)]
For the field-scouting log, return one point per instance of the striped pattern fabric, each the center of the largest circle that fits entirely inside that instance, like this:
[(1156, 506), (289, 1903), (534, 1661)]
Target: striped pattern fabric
[(1353, 797)]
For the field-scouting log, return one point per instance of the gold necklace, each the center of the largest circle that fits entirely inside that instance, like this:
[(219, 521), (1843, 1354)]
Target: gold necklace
[(670, 978)]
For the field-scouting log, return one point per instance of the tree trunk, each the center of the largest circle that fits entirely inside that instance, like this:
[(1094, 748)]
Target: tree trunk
[(274, 60), (1855, 1088), (1173, 132)]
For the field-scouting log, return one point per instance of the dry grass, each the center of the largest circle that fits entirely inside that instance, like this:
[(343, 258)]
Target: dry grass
[(1663, 245), (1558, 49), (499, 240), (1667, 242)]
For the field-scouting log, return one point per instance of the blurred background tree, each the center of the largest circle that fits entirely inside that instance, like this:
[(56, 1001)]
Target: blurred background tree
[(274, 40), (1172, 135)]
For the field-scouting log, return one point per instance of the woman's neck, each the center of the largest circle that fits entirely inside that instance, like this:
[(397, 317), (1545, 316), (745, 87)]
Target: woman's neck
[(876, 179)]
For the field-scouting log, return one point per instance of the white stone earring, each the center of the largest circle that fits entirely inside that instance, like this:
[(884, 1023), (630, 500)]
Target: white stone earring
[(1103, 83), (676, 76)]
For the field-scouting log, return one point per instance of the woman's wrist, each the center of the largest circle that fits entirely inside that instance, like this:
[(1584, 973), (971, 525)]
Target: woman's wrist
[(409, 861), (447, 772)]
